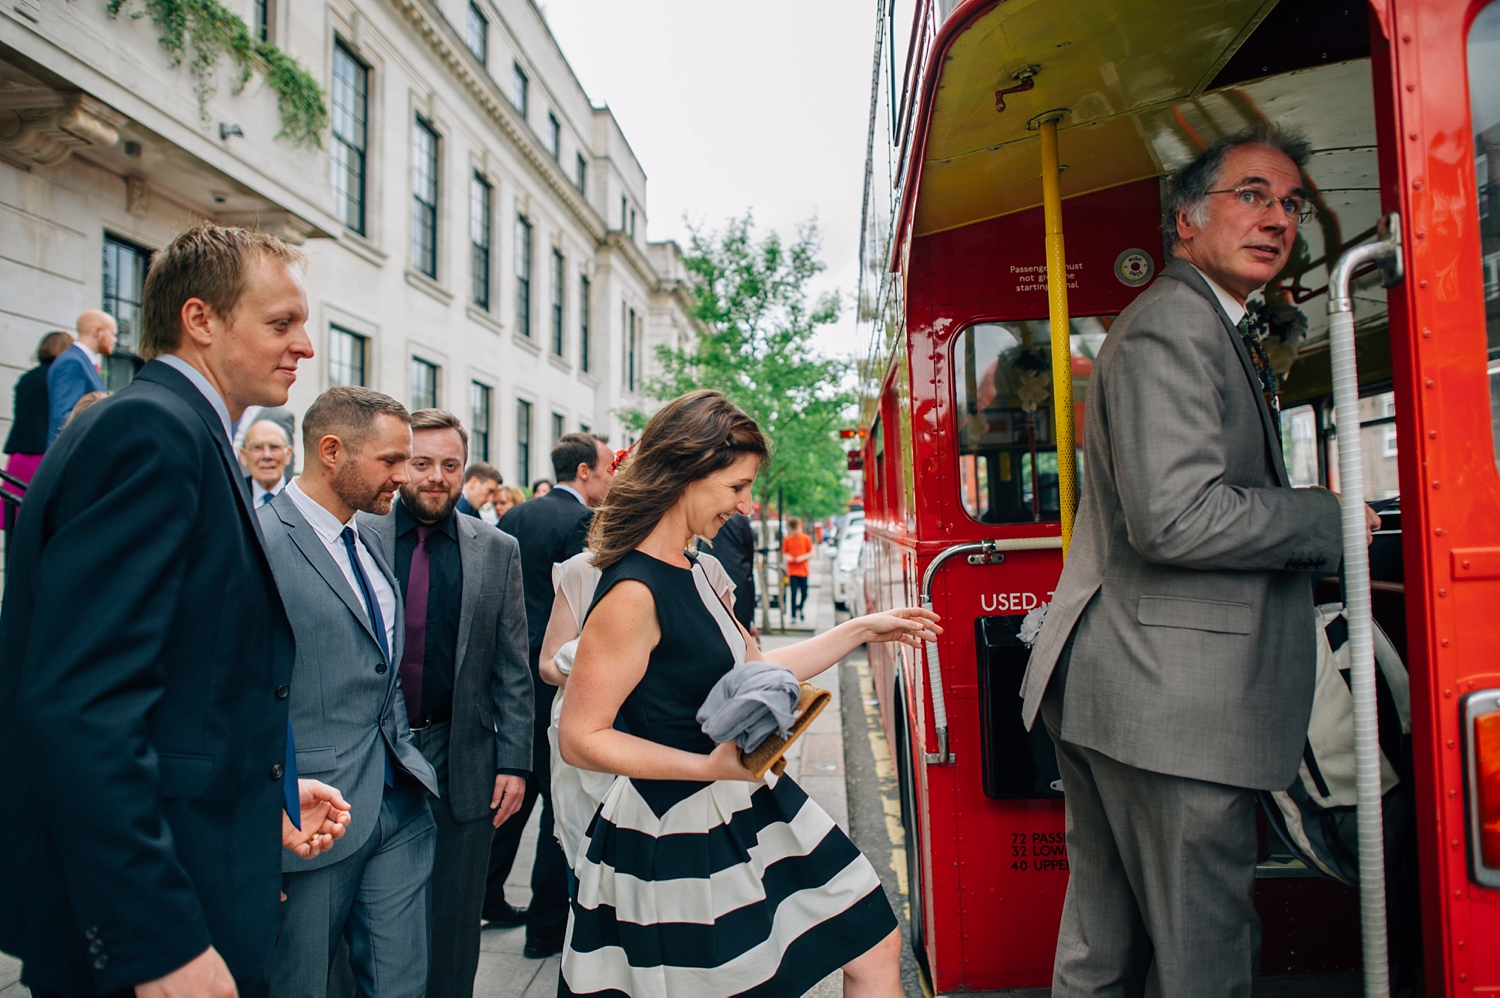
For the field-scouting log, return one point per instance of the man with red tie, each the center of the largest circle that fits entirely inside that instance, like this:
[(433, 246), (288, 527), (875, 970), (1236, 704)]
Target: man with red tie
[(466, 679)]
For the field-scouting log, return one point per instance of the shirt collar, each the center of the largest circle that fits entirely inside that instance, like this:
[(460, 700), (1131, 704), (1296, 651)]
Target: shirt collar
[(405, 521), (257, 490), (1232, 308), (92, 355), (194, 375), (572, 492), (325, 523)]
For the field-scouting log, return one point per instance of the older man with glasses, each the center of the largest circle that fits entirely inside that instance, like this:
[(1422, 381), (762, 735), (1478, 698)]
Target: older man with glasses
[(266, 452), (1174, 670)]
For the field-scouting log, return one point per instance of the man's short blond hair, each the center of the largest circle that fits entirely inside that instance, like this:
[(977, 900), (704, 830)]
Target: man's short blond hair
[(208, 262)]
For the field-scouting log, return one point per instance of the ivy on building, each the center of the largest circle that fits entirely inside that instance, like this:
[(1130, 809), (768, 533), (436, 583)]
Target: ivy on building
[(213, 32)]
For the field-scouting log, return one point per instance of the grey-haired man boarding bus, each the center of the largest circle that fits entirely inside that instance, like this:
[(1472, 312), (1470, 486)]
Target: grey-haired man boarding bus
[(1174, 670)]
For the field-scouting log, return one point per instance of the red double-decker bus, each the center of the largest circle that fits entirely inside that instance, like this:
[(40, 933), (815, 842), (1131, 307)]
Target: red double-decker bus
[(1013, 197)]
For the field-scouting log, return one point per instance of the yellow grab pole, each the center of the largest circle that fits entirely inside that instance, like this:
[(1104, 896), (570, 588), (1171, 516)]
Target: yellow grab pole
[(1062, 351)]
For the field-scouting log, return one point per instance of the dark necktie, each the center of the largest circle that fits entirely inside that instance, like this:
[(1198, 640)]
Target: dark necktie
[(1261, 361), (377, 621), (414, 654), (265, 500)]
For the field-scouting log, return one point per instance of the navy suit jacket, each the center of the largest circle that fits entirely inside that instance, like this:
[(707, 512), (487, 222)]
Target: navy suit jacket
[(142, 711), (71, 377)]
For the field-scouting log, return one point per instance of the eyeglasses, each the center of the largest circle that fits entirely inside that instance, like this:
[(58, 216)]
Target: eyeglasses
[(1254, 198), (273, 448)]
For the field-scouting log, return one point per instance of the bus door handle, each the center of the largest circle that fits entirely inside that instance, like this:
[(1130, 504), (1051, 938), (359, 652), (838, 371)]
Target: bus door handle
[(986, 552)]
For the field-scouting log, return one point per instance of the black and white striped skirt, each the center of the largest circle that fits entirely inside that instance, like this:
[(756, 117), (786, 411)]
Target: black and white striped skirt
[(707, 890)]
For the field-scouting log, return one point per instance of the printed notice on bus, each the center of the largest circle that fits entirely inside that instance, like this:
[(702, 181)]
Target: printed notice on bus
[(1034, 278), (1038, 852)]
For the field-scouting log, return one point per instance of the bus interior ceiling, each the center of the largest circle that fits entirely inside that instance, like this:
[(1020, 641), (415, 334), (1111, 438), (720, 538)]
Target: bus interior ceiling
[(1137, 107)]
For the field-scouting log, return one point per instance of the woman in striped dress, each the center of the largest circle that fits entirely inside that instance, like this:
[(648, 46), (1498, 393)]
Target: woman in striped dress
[(695, 880)]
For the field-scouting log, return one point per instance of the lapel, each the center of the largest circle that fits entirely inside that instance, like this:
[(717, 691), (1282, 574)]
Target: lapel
[(368, 533), (470, 558), (1188, 274), (311, 545)]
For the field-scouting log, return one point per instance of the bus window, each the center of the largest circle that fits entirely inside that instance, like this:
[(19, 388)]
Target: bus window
[(1299, 445), (1484, 108), (1003, 388)]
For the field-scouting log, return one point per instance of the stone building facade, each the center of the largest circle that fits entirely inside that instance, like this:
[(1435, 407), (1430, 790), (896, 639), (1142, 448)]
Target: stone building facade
[(475, 225)]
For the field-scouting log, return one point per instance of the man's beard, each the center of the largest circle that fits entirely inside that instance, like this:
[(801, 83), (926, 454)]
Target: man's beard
[(424, 509), (358, 494)]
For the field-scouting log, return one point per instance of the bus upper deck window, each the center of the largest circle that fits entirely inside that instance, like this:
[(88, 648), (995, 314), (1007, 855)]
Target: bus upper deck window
[(1003, 393), (1484, 107)]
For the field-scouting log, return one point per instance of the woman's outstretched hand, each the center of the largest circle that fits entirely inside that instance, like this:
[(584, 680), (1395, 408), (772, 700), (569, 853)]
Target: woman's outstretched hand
[(910, 625)]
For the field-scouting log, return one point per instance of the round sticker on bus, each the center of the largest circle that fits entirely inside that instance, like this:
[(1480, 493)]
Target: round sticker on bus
[(1134, 267)]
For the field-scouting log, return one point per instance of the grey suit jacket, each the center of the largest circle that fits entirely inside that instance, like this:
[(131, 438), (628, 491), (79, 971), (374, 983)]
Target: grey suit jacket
[(340, 680), (492, 694), (1188, 578)]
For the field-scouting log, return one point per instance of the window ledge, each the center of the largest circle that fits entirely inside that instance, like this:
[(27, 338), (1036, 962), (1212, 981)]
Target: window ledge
[(526, 342), (428, 286), (588, 379), (361, 247), (558, 362), (485, 319)]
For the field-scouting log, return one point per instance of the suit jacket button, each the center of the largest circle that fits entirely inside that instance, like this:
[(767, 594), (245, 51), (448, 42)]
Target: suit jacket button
[(95, 947), (277, 771), (283, 691), (91, 933), (380, 668), (101, 961)]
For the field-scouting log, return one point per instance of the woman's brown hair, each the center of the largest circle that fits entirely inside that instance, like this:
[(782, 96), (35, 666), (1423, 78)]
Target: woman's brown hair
[(692, 437)]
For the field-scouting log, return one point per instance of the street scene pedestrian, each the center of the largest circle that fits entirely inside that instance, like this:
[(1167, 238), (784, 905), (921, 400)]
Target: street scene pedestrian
[(347, 706), (796, 551), (465, 678), (481, 481), (27, 440), (78, 370), (266, 453), (506, 498)]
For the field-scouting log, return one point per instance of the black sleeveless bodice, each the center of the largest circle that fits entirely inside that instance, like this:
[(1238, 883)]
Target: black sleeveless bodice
[(685, 664)]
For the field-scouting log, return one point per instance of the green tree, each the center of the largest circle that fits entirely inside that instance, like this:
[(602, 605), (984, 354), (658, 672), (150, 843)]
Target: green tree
[(759, 319)]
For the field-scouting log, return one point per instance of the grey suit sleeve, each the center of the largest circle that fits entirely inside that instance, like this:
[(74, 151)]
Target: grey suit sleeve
[(513, 700), (1165, 403)]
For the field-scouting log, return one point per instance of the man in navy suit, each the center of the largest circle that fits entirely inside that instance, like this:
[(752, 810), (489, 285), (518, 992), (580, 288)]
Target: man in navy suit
[(143, 710), (77, 371)]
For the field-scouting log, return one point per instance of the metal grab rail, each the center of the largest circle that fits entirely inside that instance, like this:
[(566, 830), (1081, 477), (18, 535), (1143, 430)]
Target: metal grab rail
[(1386, 252), (986, 552)]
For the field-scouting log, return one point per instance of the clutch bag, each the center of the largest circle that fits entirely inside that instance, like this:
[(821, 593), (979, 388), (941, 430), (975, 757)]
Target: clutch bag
[(770, 754)]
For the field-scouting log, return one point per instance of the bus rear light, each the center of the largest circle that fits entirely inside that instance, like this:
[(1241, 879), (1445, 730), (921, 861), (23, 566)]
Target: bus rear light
[(1482, 733)]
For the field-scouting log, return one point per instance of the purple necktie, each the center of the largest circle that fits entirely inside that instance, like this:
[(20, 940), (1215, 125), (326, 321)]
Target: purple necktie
[(414, 654)]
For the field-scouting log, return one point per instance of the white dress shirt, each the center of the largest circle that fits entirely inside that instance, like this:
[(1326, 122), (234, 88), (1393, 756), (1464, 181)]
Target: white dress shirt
[(330, 531), (258, 493), (1232, 308)]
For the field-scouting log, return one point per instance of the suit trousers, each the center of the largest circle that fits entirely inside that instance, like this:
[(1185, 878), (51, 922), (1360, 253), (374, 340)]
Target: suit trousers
[(378, 899), (1161, 889), (547, 918), (458, 880)]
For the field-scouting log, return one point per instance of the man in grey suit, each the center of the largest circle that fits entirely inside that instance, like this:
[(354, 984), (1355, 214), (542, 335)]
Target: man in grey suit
[(1174, 669), (465, 677), (347, 707)]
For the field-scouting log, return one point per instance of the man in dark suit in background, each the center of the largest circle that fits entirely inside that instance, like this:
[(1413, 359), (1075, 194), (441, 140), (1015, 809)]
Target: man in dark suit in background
[(266, 453), (480, 482), (78, 371), (465, 677), (735, 548), (550, 529), (145, 750)]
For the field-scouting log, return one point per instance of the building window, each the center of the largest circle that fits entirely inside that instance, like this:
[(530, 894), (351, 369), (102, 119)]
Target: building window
[(347, 356), (630, 349), (581, 174), (624, 210), (559, 427), (632, 223), (349, 105), (583, 323), (480, 396), (523, 276), (557, 302), (480, 197), (554, 136), (523, 441), (263, 20), (124, 281), (424, 194), (518, 85), (424, 385), (477, 33)]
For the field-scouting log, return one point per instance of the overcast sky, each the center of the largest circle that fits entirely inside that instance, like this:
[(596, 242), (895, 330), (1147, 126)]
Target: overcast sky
[(734, 106)]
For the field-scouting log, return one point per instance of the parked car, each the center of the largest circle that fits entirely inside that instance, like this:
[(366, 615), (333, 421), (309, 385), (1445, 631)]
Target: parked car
[(848, 577)]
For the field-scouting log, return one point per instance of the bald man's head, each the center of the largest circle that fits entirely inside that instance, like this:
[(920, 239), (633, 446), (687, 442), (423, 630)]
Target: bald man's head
[(266, 453), (96, 330)]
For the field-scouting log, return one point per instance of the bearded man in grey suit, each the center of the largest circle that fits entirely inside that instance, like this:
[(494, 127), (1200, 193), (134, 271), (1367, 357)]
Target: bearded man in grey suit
[(1174, 669), (347, 707), (466, 679)]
